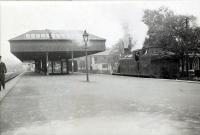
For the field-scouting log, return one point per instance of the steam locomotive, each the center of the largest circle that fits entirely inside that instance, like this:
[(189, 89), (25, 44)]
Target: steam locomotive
[(150, 62)]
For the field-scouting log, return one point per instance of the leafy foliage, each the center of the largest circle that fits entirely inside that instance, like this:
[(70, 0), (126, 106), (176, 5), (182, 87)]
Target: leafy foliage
[(177, 33), (168, 30)]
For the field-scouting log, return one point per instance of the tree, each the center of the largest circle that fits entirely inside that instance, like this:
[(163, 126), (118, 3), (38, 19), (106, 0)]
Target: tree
[(118, 48), (177, 33)]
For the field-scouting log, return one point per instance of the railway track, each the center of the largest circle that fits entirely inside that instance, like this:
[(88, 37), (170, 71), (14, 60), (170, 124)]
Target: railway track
[(8, 76), (131, 75), (11, 75)]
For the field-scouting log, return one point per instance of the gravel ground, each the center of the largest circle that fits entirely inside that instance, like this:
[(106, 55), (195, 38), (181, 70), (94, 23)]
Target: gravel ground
[(107, 105)]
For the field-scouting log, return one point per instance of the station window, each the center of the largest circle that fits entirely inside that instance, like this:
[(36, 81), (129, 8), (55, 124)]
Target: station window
[(37, 36), (95, 59), (57, 67), (62, 35), (57, 36), (32, 36), (105, 66), (28, 36), (42, 36), (64, 64), (47, 35), (53, 35)]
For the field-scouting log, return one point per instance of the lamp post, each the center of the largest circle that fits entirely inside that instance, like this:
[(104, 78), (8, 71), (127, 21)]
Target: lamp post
[(85, 38)]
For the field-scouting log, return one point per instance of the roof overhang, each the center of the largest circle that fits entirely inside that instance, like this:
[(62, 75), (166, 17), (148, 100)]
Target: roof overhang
[(28, 50)]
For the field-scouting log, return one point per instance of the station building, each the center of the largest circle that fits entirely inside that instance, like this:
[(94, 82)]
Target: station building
[(103, 62), (51, 50)]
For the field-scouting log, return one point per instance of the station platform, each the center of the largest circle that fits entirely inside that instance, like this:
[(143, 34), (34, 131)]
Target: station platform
[(9, 84), (67, 104)]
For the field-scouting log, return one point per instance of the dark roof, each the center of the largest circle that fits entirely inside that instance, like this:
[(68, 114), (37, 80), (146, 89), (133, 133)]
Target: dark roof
[(54, 35)]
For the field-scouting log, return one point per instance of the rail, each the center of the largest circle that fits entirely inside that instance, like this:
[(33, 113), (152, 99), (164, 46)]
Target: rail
[(11, 75)]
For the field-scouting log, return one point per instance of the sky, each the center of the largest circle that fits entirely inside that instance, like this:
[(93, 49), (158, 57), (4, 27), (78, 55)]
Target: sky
[(102, 18)]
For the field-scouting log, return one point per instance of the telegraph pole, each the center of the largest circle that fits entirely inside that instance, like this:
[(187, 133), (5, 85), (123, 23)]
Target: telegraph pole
[(0, 28), (187, 55)]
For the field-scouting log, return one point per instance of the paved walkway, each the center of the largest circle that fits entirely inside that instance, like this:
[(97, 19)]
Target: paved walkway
[(9, 85), (107, 105)]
